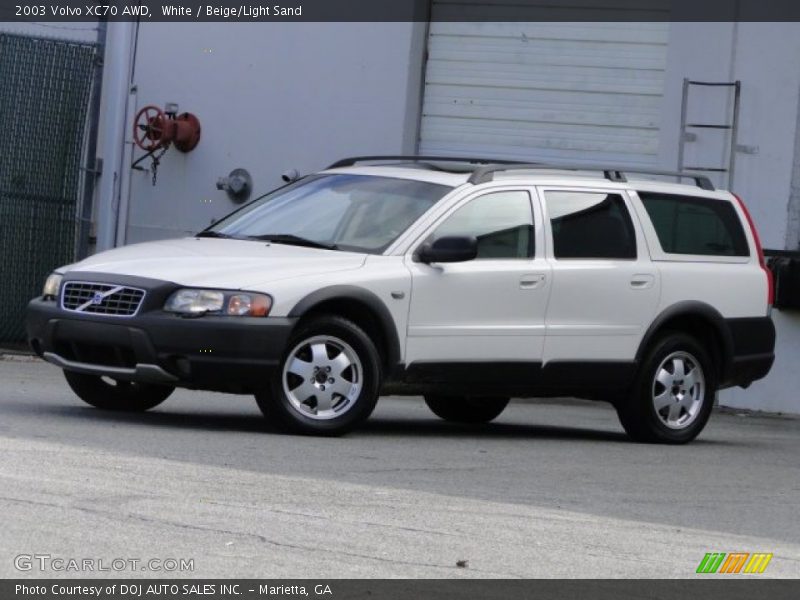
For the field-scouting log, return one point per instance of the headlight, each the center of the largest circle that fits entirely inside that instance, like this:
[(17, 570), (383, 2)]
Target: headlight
[(195, 301), (191, 301), (51, 286)]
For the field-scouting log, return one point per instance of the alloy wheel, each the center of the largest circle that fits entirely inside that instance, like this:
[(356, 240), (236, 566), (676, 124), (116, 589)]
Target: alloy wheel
[(679, 389), (322, 377)]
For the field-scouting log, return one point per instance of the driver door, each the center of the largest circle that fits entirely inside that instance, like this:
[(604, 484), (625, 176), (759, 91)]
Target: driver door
[(490, 309)]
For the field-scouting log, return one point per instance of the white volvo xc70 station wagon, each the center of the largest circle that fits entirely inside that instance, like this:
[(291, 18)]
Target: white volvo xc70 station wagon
[(465, 281)]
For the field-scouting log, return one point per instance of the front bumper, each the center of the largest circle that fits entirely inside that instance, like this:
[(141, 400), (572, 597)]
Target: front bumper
[(232, 354)]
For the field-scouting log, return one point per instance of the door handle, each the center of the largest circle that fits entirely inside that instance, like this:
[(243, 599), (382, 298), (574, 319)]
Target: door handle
[(527, 282), (642, 281)]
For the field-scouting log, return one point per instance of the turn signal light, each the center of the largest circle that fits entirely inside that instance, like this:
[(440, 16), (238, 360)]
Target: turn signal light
[(250, 305)]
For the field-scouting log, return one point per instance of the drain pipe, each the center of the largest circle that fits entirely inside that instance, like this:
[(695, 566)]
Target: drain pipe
[(116, 89), (93, 166)]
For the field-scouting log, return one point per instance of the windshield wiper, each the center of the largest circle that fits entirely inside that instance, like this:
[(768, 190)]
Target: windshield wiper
[(212, 234), (291, 239)]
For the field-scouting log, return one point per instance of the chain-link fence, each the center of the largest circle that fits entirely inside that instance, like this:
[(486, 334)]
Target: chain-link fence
[(44, 96)]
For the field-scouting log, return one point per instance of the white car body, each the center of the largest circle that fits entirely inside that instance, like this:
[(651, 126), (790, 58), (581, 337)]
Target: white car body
[(541, 311), (486, 302)]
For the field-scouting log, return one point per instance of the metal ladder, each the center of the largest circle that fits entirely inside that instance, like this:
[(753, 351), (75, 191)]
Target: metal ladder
[(732, 127)]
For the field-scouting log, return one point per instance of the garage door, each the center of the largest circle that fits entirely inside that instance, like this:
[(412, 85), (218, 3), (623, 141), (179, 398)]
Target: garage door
[(567, 92)]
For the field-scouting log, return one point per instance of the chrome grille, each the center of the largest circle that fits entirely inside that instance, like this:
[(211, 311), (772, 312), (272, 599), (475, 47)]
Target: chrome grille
[(101, 298)]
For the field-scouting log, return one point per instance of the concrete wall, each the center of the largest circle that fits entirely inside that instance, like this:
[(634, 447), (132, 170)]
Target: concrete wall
[(793, 221), (270, 97)]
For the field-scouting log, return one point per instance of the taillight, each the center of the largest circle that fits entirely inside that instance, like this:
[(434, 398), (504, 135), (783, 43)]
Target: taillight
[(761, 260)]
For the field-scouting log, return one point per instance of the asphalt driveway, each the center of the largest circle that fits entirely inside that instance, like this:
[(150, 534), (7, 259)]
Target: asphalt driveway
[(551, 489)]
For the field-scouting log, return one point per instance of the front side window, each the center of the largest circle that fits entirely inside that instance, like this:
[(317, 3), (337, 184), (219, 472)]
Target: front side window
[(691, 225), (590, 225), (361, 213), (502, 222)]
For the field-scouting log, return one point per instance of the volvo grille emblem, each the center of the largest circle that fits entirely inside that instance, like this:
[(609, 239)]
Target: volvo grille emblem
[(101, 299)]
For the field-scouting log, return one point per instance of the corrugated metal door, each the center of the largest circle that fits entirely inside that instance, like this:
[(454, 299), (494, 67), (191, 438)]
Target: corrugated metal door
[(545, 91)]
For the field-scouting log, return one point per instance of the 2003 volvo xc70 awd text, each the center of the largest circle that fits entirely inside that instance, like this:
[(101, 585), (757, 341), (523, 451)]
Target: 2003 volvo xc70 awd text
[(465, 281)]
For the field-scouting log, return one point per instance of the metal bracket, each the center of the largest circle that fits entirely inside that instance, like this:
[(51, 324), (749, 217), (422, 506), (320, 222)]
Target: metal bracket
[(98, 168), (238, 185), (746, 149)]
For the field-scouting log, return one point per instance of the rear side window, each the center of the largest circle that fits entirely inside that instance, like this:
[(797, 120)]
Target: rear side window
[(691, 225), (590, 225)]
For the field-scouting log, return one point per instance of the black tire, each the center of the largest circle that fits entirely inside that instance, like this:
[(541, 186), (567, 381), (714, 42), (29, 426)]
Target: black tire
[(363, 377), (466, 409), (122, 396), (638, 413)]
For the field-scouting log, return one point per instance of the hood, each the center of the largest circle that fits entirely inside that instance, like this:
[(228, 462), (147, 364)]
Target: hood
[(218, 263)]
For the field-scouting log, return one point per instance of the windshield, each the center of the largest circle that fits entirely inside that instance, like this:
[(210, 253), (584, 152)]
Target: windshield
[(362, 213)]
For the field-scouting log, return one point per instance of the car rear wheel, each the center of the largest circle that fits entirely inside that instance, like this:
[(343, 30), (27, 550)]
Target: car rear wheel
[(328, 380), (110, 394), (674, 392), (466, 409)]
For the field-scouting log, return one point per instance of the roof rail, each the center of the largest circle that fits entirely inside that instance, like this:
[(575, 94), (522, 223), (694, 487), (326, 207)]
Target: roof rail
[(490, 166), (349, 162), (485, 173)]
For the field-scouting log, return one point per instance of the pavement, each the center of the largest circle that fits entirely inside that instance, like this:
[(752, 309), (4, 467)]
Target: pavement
[(551, 489)]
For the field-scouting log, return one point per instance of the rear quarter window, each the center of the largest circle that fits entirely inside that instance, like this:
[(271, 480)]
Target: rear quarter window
[(692, 225)]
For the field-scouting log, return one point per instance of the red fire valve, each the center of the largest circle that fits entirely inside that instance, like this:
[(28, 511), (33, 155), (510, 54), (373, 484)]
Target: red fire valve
[(154, 129)]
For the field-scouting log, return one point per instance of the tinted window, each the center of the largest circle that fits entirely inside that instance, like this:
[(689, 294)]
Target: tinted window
[(590, 225), (502, 222), (688, 225)]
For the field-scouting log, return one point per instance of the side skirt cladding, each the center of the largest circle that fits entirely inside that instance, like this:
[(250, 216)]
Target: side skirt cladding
[(596, 380)]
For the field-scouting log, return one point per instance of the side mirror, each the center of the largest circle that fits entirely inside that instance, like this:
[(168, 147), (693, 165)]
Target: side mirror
[(448, 250)]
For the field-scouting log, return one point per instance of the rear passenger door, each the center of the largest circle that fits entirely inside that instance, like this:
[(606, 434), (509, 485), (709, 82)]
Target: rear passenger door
[(605, 289)]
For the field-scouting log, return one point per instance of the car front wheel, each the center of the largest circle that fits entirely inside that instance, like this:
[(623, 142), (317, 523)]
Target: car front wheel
[(109, 394), (674, 392), (328, 380), (466, 409)]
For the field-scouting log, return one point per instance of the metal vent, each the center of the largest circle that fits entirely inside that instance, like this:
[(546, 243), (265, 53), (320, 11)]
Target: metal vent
[(101, 298)]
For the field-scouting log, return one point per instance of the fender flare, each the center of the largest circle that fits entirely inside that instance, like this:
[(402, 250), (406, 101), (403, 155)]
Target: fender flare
[(692, 308), (349, 292)]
